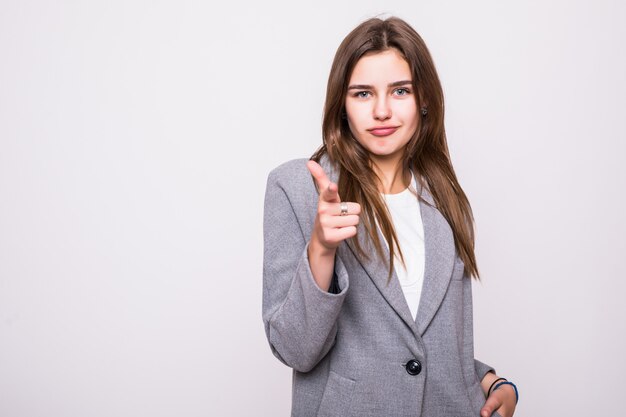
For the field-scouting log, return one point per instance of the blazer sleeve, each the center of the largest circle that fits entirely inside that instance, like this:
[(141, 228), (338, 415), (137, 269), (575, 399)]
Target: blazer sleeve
[(300, 318), (480, 368)]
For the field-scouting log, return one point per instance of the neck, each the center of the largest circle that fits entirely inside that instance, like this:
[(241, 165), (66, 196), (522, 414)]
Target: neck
[(392, 178)]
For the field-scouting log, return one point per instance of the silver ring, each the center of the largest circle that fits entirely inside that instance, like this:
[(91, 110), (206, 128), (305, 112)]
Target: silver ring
[(344, 208)]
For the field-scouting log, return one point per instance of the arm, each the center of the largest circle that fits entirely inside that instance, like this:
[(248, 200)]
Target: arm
[(299, 316), (332, 226), (503, 399)]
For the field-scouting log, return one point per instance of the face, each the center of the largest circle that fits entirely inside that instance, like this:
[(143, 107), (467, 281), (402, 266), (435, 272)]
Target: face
[(380, 105)]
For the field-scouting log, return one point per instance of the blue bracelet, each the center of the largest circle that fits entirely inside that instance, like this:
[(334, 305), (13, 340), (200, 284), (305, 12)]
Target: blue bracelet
[(511, 384)]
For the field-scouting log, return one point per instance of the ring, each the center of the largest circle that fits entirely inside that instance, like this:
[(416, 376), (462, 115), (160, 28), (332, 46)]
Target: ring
[(344, 208)]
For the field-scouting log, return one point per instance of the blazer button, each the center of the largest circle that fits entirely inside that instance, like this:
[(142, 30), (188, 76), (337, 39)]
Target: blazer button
[(413, 367)]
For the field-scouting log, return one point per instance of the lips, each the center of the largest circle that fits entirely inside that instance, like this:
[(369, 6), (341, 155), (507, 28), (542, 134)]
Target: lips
[(383, 130)]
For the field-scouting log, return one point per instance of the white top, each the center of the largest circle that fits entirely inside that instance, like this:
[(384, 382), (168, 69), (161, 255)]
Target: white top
[(407, 220)]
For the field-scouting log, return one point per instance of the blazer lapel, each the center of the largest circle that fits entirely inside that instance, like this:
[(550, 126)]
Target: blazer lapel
[(440, 254), (378, 271)]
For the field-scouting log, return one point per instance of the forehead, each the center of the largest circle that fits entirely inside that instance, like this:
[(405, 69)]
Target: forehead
[(380, 68)]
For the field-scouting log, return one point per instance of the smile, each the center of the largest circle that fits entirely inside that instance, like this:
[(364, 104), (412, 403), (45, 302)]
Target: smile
[(383, 131)]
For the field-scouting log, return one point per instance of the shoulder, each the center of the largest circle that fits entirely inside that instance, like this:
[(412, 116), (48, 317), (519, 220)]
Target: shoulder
[(293, 170), (296, 171), (291, 188), (293, 179)]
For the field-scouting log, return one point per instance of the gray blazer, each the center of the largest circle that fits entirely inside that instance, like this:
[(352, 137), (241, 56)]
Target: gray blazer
[(359, 352)]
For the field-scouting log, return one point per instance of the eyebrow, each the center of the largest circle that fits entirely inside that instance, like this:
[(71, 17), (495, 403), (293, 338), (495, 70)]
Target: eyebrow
[(366, 87)]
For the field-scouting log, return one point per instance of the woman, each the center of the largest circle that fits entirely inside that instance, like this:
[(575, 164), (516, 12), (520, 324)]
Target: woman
[(369, 248)]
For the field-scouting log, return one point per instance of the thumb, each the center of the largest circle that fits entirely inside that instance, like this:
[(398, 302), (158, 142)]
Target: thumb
[(328, 190), (491, 405)]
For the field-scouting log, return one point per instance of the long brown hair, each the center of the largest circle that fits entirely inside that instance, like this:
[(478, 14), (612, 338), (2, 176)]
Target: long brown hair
[(426, 153)]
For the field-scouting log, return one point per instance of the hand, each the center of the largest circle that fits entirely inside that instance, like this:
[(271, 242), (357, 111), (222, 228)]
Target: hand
[(502, 400), (331, 227)]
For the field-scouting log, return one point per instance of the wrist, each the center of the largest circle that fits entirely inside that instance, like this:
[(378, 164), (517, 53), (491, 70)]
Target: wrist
[(321, 262), (492, 385), (488, 382), (318, 250)]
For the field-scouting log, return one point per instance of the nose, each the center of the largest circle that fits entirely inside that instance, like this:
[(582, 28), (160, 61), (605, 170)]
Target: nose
[(382, 111)]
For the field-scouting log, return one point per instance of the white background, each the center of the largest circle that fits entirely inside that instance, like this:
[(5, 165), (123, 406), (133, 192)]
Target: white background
[(135, 141)]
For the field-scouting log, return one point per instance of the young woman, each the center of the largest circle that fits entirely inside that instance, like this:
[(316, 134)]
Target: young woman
[(369, 248)]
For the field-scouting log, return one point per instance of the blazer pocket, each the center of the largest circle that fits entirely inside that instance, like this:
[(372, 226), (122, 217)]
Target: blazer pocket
[(337, 396)]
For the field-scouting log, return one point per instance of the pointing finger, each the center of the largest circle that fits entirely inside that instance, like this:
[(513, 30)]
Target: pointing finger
[(318, 173), (328, 190)]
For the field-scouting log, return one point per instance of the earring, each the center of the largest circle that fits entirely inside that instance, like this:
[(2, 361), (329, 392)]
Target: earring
[(424, 111)]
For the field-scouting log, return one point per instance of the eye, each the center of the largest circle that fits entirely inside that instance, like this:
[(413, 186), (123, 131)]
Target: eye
[(402, 91), (361, 94)]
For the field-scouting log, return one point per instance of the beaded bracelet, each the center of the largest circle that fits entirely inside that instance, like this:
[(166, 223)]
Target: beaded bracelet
[(511, 384), (494, 383)]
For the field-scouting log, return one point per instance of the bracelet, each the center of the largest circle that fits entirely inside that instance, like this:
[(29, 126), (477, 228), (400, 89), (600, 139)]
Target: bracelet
[(511, 384), (494, 383)]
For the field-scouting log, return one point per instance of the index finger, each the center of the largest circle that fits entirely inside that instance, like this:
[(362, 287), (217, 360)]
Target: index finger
[(328, 191), (318, 173)]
